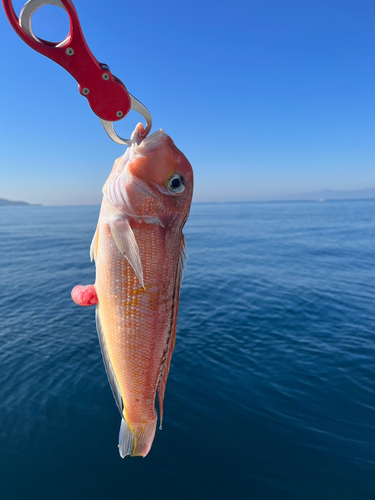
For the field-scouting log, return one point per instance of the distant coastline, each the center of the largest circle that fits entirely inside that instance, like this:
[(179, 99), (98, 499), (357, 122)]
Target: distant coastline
[(8, 203), (332, 194)]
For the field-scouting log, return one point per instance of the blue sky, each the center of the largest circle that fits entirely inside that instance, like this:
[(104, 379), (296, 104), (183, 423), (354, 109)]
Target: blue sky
[(265, 98)]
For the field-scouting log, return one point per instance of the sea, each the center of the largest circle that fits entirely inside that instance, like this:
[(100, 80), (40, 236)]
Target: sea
[(271, 392)]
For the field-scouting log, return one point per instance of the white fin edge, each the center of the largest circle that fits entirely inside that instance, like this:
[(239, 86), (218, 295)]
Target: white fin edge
[(125, 440), (124, 238)]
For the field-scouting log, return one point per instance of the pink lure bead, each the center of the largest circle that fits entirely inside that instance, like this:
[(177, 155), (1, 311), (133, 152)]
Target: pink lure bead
[(84, 295)]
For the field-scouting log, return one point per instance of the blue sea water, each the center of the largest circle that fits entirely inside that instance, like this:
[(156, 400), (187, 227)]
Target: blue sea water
[(271, 393)]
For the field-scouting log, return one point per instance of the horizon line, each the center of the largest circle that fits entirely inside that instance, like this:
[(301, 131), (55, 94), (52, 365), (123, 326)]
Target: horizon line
[(27, 205)]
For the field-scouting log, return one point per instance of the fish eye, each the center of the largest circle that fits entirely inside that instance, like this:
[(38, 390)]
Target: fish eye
[(176, 184)]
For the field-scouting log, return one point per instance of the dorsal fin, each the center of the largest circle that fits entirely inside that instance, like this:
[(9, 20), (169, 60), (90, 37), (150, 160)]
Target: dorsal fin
[(172, 338)]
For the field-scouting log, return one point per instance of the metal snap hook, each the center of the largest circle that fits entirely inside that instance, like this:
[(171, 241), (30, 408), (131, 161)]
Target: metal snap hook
[(136, 106)]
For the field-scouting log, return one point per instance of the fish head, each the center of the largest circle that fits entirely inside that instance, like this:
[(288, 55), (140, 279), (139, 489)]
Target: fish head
[(153, 181)]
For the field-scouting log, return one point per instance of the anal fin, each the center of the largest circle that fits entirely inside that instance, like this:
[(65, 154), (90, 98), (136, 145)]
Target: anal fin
[(126, 437), (108, 365)]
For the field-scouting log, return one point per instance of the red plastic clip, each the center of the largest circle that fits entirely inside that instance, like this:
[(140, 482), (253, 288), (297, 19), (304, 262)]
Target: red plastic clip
[(106, 94)]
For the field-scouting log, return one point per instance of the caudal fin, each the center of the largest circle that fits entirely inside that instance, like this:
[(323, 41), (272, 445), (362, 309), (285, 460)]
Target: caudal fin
[(137, 444)]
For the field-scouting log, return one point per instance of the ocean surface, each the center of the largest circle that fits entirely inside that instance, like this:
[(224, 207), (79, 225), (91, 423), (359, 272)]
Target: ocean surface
[(271, 393)]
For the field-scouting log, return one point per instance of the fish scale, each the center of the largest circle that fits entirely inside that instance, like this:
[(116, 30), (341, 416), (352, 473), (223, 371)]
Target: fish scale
[(137, 321)]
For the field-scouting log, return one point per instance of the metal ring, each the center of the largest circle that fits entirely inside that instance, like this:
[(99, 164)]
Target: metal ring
[(29, 10), (136, 106)]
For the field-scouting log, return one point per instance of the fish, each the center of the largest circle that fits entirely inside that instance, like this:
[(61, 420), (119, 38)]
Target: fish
[(140, 254)]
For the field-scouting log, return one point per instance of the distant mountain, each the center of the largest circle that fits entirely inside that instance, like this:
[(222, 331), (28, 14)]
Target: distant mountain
[(6, 203), (332, 194)]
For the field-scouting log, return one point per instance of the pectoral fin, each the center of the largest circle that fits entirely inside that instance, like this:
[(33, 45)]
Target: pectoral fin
[(124, 238)]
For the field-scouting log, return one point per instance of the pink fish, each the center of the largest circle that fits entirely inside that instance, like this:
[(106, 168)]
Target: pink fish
[(140, 253)]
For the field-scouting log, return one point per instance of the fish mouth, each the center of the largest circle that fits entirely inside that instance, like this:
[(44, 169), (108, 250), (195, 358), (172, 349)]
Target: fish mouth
[(144, 147), (151, 143)]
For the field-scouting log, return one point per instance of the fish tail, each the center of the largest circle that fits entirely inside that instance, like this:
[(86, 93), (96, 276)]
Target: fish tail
[(143, 440), (137, 444)]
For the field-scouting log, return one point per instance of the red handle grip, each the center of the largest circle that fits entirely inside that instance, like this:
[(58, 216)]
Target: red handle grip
[(106, 94)]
